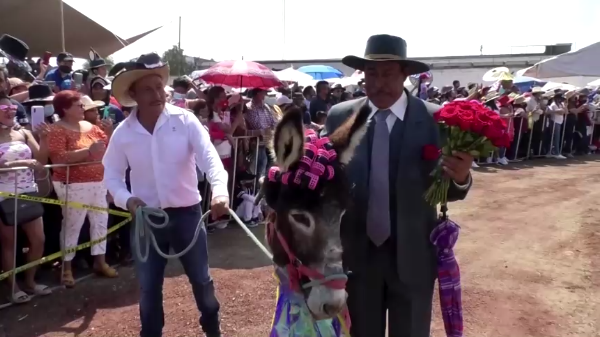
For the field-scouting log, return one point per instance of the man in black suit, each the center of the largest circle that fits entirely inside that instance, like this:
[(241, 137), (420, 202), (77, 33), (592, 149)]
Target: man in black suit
[(386, 234)]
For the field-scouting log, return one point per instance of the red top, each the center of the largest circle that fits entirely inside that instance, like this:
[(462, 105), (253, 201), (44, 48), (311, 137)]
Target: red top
[(61, 141), (215, 132)]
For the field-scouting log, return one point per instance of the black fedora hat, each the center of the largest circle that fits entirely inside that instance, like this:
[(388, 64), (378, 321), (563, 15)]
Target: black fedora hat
[(95, 60), (15, 50), (338, 86), (386, 48), (98, 63), (39, 93)]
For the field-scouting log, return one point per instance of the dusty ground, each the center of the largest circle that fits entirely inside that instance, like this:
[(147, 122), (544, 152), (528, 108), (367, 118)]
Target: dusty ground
[(527, 256)]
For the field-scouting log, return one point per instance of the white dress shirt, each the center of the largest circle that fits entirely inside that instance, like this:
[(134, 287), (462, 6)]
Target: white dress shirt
[(398, 111), (163, 164)]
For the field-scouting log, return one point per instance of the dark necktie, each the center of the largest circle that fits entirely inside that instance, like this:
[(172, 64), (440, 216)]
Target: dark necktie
[(378, 213)]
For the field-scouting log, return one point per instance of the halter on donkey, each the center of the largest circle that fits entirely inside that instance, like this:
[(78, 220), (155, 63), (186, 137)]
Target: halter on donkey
[(308, 194)]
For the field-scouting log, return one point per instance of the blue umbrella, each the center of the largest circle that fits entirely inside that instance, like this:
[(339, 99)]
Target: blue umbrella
[(321, 72), (525, 83)]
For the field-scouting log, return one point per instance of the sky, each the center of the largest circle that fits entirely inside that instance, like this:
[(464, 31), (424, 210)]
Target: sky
[(318, 29)]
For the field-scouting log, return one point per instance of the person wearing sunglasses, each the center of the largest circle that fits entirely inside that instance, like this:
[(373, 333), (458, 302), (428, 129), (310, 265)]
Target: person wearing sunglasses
[(73, 140), (18, 148)]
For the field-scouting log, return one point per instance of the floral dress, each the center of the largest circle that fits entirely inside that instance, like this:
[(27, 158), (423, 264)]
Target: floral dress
[(293, 319)]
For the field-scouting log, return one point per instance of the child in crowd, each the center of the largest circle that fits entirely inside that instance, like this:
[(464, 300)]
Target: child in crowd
[(248, 212)]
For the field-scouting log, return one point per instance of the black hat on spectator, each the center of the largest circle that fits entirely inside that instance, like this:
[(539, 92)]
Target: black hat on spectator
[(15, 50), (39, 93), (64, 57), (95, 60), (254, 91), (338, 86)]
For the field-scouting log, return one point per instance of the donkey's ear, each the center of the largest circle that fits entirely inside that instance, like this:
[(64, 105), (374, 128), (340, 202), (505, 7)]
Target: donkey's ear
[(288, 142), (347, 137)]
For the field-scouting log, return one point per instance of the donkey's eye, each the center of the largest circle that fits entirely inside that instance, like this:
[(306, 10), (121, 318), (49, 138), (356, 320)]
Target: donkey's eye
[(302, 221), (301, 218)]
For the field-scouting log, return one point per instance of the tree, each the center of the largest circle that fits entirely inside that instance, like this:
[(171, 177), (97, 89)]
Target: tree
[(178, 64), (109, 60)]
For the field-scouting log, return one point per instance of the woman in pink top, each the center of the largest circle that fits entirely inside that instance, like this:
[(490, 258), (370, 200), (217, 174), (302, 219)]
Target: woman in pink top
[(18, 148)]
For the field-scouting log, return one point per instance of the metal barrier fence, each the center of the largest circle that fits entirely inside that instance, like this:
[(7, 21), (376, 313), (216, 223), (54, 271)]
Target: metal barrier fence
[(17, 195), (544, 145)]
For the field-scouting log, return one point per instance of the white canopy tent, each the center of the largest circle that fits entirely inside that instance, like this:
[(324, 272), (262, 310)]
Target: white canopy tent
[(576, 67), (595, 83)]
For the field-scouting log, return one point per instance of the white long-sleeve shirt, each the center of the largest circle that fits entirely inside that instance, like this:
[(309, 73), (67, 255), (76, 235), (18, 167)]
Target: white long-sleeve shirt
[(163, 164)]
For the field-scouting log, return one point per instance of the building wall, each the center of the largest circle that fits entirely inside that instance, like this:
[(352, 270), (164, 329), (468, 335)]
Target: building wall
[(445, 69)]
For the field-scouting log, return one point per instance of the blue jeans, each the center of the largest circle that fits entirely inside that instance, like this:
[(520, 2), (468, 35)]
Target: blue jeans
[(177, 235), (262, 161), (555, 151)]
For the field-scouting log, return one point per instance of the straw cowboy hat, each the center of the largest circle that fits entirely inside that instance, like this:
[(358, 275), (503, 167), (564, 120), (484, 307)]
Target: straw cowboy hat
[(89, 104), (570, 94), (492, 95), (549, 94), (382, 48), (537, 90), (16, 82), (147, 64), (520, 99)]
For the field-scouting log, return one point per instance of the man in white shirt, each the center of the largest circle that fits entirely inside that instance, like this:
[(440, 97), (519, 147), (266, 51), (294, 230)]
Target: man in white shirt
[(557, 115), (162, 144)]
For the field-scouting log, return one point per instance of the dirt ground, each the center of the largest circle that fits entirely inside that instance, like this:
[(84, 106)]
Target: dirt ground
[(526, 251)]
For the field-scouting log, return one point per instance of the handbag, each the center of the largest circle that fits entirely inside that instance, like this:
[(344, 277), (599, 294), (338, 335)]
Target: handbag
[(27, 211)]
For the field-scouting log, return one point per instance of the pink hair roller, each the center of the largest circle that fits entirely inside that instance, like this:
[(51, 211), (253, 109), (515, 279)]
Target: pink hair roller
[(272, 175), (298, 177), (285, 178), (330, 171), (313, 180), (317, 168)]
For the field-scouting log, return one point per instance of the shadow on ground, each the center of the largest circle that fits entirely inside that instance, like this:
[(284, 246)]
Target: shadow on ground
[(229, 249)]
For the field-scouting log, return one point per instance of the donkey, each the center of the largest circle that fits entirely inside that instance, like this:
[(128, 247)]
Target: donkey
[(308, 194)]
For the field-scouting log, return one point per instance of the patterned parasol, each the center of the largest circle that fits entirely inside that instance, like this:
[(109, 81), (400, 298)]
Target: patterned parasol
[(241, 74)]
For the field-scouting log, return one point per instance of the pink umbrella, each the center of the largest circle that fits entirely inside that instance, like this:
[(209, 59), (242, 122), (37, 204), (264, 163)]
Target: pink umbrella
[(241, 74)]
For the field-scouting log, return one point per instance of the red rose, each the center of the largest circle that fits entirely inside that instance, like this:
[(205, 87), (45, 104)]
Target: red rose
[(449, 115), (431, 152), (482, 120), (465, 119)]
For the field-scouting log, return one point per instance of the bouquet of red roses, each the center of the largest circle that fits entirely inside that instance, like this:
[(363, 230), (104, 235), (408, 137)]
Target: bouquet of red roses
[(471, 127)]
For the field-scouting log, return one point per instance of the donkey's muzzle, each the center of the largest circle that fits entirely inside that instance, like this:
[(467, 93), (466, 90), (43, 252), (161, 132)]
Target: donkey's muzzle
[(325, 302)]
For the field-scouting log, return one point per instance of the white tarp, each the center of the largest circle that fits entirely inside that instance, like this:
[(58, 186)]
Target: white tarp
[(583, 62)]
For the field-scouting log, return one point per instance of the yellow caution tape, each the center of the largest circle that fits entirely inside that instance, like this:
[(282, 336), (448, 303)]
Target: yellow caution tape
[(71, 249), (62, 203)]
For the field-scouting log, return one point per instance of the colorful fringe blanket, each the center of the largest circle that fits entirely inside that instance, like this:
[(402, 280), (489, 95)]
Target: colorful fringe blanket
[(293, 319)]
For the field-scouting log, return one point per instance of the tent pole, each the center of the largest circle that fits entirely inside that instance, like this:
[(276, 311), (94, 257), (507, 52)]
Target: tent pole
[(62, 26)]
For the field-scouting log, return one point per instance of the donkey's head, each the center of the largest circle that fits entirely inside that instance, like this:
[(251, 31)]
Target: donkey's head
[(308, 192)]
